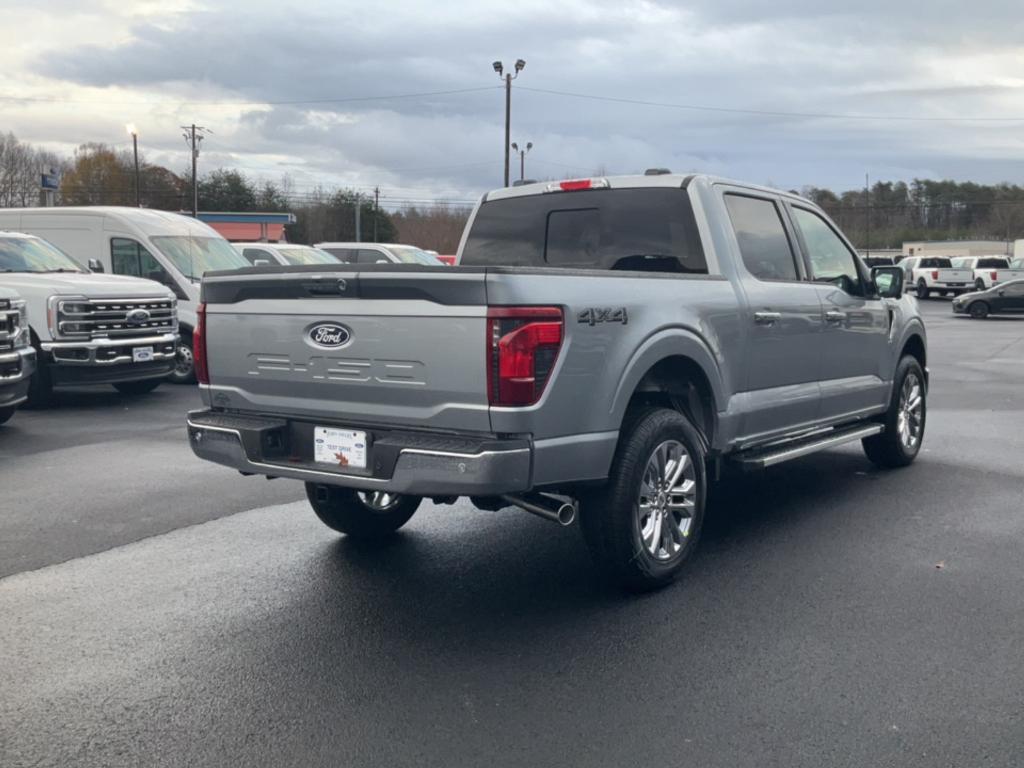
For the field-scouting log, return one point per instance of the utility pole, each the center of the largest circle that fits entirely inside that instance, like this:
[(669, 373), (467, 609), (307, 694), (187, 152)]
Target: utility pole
[(522, 158), (359, 236), (867, 213), (194, 135), (376, 210), (134, 133), (508, 77)]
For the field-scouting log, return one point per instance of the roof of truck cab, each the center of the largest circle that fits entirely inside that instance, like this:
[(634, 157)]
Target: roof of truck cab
[(155, 222), (665, 180)]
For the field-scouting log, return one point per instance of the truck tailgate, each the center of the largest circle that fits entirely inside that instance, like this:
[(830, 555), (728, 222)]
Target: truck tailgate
[(346, 347), (955, 276)]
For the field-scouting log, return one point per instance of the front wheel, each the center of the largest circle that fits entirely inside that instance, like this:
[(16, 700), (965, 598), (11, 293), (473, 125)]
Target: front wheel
[(900, 442), (922, 290), (184, 364), (361, 514), (137, 387), (643, 525), (979, 310)]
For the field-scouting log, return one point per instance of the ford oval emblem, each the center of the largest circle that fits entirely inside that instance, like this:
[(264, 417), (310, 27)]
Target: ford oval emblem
[(329, 335)]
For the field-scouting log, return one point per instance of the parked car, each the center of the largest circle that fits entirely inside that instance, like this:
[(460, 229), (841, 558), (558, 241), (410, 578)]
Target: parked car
[(925, 274), (284, 254), (878, 261), (984, 268), (89, 328), (379, 253), (1005, 298), (620, 342), (17, 358), (171, 249)]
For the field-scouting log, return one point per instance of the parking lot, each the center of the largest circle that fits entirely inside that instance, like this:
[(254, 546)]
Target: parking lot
[(160, 610)]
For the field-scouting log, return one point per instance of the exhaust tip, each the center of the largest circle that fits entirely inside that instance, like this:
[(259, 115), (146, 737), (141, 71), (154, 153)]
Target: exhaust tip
[(567, 514)]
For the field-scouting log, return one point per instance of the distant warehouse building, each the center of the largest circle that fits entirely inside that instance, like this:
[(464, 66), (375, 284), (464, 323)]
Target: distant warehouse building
[(249, 227), (953, 248)]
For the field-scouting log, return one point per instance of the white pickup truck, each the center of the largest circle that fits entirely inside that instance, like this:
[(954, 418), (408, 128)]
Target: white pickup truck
[(1013, 271), (986, 270), (925, 274)]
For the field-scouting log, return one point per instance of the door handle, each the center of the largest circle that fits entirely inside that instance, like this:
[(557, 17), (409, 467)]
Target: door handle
[(767, 318), (834, 317)]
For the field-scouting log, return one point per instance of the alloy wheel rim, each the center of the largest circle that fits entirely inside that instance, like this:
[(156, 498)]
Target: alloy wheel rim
[(667, 500), (379, 501), (910, 420)]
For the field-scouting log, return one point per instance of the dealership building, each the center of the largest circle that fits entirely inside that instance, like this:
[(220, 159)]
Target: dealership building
[(954, 248)]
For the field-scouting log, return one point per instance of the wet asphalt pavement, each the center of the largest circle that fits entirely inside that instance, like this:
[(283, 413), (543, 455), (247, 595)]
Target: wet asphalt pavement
[(159, 611)]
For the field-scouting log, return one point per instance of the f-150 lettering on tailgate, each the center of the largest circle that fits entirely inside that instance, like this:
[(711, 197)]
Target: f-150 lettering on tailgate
[(327, 368)]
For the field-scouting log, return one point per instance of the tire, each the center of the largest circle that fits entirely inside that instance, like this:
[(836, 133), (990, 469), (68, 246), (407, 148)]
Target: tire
[(612, 519), (979, 284), (922, 290), (138, 387), (978, 310), (893, 448), (184, 366), (40, 386), (6, 413), (357, 514)]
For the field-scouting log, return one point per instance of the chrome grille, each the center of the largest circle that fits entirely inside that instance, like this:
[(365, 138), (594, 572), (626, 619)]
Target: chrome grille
[(115, 318), (12, 323)]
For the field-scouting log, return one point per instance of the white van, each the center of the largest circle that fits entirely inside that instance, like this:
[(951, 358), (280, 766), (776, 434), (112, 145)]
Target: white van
[(169, 248)]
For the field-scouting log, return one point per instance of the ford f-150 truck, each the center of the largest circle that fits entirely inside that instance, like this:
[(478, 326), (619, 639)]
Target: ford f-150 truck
[(925, 274), (605, 348), (17, 358), (88, 328)]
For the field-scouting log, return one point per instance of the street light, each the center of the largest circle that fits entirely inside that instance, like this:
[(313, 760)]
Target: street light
[(134, 133), (522, 158), (509, 77)]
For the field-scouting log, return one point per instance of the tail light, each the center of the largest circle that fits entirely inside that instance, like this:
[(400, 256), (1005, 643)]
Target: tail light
[(992, 274), (935, 274), (199, 346), (522, 346)]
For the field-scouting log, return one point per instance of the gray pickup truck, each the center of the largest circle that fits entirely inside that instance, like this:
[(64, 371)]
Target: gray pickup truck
[(605, 349)]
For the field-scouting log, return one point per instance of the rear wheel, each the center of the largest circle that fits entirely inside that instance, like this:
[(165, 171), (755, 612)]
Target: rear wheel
[(6, 413), (901, 441), (922, 290), (643, 525), (361, 514), (979, 284), (184, 364), (137, 387), (979, 310)]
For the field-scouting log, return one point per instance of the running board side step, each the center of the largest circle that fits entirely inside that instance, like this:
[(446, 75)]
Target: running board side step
[(759, 458)]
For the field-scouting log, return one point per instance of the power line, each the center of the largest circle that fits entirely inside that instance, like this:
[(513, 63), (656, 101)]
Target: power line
[(769, 112), (212, 103)]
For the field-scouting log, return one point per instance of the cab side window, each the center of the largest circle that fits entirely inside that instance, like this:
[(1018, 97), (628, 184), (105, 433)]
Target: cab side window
[(764, 244), (370, 256), (129, 257), (831, 261), (252, 255)]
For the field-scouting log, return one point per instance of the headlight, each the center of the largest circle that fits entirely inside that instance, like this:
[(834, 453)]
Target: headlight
[(60, 310)]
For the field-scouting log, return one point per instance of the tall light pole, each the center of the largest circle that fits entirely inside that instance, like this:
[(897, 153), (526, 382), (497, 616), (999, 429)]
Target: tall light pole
[(522, 158), (194, 135), (509, 77), (134, 133)]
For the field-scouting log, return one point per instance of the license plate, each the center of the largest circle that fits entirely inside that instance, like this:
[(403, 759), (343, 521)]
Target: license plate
[(142, 354), (339, 447)]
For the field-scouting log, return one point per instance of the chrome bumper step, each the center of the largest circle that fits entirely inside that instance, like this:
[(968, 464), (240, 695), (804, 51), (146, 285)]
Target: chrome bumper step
[(760, 458)]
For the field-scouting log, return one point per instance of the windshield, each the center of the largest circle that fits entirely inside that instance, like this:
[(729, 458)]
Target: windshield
[(964, 262), (410, 255), (1017, 264), (195, 255), (30, 254), (302, 254)]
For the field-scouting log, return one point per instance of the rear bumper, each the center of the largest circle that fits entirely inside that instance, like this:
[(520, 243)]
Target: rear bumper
[(410, 463), (16, 368)]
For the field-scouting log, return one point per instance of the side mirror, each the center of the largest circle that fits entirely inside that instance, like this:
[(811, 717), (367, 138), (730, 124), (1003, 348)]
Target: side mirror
[(888, 282), (95, 265)]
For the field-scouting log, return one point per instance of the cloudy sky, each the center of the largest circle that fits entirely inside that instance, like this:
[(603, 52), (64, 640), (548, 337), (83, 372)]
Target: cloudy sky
[(793, 92)]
